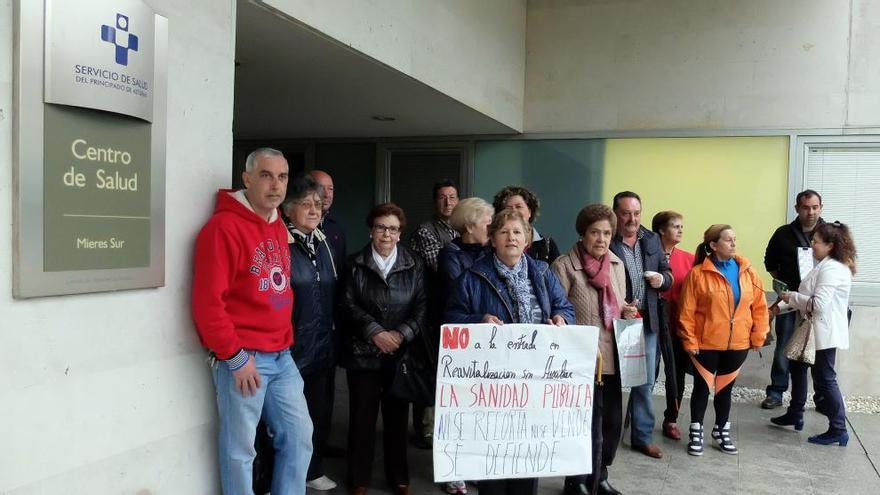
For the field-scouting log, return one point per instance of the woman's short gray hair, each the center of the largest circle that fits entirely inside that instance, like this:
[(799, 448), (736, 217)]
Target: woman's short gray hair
[(469, 211)]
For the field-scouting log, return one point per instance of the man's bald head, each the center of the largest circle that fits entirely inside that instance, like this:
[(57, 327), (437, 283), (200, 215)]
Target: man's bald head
[(326, 182)]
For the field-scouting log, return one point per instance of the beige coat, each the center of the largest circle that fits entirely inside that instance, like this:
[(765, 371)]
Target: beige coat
[(585, 298)]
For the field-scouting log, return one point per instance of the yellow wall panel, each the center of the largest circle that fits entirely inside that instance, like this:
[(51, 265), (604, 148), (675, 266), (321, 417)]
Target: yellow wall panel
[(741, 181)]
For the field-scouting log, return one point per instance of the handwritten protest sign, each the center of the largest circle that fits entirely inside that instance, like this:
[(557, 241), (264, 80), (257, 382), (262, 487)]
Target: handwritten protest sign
[(514, 401)]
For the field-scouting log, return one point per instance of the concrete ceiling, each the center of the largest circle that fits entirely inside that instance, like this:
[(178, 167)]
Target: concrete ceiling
[(292, 82)]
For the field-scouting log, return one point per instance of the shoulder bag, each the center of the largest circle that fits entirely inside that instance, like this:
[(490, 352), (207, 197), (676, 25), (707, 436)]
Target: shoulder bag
[(802, 344)]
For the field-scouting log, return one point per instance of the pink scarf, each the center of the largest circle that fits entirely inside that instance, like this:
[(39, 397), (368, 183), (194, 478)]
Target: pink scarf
[(599, 275)]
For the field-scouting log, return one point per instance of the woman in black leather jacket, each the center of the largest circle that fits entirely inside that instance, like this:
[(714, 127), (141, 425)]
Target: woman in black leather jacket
[(525, 202), (384, 301)]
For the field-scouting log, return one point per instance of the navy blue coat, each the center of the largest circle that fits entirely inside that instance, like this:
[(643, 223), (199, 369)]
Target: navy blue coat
[(314, 292), (481, 291), (455, 259), (336, 238)]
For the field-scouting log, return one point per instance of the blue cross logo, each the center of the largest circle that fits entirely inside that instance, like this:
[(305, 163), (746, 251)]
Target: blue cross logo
[(119, 35)]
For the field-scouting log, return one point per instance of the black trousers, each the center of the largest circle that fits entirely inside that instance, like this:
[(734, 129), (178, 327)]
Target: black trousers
[(367, 392), (607, 429), (320, 403), (720, 368), (675, 366)]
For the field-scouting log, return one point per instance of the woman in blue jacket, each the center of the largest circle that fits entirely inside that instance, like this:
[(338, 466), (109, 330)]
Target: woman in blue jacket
[(509, 286), (471, 218), (313, 278)]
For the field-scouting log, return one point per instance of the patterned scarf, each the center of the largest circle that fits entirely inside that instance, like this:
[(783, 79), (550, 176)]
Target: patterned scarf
[(519, 287), (306, 240), (599, 275)]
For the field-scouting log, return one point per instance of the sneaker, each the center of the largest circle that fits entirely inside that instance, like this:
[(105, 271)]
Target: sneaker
[(455, 487), (721, 434), (695, 437), (321, 484)]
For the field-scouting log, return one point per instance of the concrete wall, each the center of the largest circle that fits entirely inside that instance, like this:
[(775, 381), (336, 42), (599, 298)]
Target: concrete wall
[(695, 64), (110, 393), (473, 51)]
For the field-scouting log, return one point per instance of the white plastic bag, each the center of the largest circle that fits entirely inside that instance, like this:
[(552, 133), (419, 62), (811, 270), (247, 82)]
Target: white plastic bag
[(630, 338)]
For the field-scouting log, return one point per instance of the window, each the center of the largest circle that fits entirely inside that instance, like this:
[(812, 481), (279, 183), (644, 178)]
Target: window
[(848, 178)]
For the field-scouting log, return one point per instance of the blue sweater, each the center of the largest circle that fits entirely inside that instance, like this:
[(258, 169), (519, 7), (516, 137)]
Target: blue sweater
[(730, 270)]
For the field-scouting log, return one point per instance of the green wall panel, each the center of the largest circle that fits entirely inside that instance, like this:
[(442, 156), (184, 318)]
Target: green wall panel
[(566, 174)]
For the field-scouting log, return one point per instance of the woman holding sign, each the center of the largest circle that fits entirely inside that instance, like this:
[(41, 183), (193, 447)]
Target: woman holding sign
[(594, 279), (723, 314), (385, 302), (824, 293), (509, 286)]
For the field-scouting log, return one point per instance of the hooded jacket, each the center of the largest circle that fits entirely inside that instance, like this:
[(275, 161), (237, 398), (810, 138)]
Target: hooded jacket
[(241, 286), (315, 289), (708, 319)]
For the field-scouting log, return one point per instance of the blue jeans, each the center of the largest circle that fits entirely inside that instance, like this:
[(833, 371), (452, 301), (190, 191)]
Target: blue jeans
[(281, 403), (640, 401), (779, 371)]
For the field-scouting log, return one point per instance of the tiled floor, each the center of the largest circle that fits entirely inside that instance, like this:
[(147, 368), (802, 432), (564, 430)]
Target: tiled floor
[(771, 460)]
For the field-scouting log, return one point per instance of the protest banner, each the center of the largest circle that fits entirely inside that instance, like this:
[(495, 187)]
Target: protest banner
[(514, 401)]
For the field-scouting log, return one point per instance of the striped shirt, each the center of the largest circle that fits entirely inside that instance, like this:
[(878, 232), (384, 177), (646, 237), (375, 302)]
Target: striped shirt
[(635, 270)]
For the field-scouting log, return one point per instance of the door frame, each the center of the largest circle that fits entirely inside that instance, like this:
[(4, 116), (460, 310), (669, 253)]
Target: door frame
[(385, 150)]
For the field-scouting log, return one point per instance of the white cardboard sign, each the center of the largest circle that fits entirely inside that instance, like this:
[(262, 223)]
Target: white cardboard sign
[(514, 401)]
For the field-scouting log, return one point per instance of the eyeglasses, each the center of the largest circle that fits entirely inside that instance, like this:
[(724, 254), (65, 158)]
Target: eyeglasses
[(391, 229), (308, 205)]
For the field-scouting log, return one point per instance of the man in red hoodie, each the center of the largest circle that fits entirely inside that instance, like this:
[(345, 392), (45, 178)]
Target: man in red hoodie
[(242, 304)]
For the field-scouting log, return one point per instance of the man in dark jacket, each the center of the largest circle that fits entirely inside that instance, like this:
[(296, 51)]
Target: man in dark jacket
[(787, 244), (647, 274), (330, 226)]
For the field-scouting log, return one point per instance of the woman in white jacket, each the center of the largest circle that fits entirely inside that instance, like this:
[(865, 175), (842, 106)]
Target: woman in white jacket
[(824, 294)]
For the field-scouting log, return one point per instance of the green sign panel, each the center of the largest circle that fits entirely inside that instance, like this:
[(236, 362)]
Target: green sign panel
[(96, 184)]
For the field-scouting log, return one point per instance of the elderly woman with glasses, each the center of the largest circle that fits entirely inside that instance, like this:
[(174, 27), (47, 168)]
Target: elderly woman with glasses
[(313, 278), (385, 303), (669, 225)]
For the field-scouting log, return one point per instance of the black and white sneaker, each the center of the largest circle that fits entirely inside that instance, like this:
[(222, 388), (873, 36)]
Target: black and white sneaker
[(695, 439), (721, 435)]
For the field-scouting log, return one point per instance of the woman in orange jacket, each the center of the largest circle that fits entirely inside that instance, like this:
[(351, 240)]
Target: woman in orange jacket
[(723, 315)]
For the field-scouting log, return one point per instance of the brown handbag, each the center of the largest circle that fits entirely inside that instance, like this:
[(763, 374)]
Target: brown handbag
[(802, 344)]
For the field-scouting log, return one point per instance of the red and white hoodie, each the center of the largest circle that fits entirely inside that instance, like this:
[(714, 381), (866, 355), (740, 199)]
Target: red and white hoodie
[(242, 297)]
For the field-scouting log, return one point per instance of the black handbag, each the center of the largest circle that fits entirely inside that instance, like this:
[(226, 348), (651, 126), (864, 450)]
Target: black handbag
[(415, 374)]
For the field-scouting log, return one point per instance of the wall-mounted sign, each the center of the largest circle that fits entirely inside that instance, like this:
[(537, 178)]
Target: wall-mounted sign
[(104, 60), (90, 90), (96, 190)]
